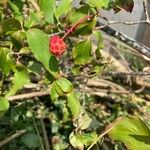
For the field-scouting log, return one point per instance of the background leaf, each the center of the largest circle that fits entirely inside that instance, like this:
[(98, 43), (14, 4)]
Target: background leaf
[(98, 4), (31, 140), (73, 104), (21, 77), (39, 43), (54, 94), (74, 15), (4, 62), (81, 140), (9, 25), (4, 105), (48, 8), (82, 52), (133, 132), (65, 85), (63, 8), (94, 3)]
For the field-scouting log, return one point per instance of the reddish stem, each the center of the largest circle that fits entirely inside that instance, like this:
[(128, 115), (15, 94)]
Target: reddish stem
[(75, 25)]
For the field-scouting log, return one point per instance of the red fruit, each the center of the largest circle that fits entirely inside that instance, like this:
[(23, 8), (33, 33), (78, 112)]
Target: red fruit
[(57, 46)]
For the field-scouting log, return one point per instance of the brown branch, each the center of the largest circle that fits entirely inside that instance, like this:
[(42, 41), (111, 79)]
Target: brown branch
[(34, 4), (46, 141), (12, 137), (28, 95), (108, 129), (38, 134)]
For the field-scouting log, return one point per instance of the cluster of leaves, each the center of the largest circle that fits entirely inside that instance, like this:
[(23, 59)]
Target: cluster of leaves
[(25, 29)]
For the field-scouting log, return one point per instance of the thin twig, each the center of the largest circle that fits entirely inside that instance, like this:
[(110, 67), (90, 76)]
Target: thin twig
[(38, 134), (104, 133), (12, 137), (35, 5), (46, 141)]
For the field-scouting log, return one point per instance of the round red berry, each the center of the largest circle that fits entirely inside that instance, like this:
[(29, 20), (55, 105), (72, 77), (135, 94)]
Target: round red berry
[(57, 46)]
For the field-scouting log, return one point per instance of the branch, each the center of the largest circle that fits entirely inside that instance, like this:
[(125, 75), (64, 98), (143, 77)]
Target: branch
[(12, 137), (46, 141), (28, 95), (34, 4), (100, 136)]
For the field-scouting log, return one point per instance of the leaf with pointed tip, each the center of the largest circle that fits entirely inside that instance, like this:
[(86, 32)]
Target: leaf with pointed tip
[(63, 8), (65, 85), (54, 94), (82, 52), (79, 141), (9, 25), (39, 43), (73, 104), (4, 62), (21, 77), (132, 131), (48, 8), (75, 15)]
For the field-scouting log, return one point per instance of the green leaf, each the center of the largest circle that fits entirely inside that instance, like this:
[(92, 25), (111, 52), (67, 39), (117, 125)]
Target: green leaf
[(98, 4), (84, 121), (16, 8), (21, 77), (48, 8), (18, 39), (9, 25), (4, 105), (133, 132), (87, 138), (31, 140), (54, 94), (4, 62), (75, 15), (63, 8), (75, 142), (79, 141), (39, 43), (60, 87), (33, 19), (100, 40), (73, 104), (94, 3), (76, 70), (106, 3), (82, 52), (65, 85)]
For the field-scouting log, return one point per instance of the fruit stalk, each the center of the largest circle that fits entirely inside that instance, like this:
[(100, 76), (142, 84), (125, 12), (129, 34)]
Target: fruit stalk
[(75, 25)]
